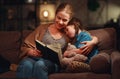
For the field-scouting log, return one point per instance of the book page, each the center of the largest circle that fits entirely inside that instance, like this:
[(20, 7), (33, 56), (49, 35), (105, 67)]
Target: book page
[(57, 48), (52, 52)]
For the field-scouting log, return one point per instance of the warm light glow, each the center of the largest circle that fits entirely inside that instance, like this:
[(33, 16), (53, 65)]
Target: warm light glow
[(45, 13), (29, 1), (115, 20)]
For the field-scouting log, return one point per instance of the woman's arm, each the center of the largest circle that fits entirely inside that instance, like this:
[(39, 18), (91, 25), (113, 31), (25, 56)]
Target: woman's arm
[(89, 45), (28, 47), (87, 48)]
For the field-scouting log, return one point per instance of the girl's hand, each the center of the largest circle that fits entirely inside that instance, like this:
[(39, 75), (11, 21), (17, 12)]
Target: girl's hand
[(34, 53)]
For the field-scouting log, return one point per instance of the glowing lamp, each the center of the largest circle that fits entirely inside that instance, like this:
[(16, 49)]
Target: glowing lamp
[(46, 12)]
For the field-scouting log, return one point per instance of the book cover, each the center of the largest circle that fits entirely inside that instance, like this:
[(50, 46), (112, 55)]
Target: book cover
[(51, 52)]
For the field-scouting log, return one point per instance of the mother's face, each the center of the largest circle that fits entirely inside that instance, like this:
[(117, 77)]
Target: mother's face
[(61, 19)]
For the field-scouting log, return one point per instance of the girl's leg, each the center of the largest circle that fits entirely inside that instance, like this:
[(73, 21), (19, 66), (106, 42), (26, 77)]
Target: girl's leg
[(43, 68), (25, 68)]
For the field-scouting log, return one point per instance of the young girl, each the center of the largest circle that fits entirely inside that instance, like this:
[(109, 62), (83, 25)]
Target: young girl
[(77, 34)]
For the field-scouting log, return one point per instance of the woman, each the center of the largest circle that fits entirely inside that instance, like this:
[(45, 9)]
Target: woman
[(32, 64)]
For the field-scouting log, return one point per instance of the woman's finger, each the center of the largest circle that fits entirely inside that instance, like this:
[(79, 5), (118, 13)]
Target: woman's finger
[(84, 42), (85, 51)]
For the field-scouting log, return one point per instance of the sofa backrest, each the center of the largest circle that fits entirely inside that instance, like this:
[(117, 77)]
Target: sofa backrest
[(26, 33), (106, 37), (9, 45), (10, 42)]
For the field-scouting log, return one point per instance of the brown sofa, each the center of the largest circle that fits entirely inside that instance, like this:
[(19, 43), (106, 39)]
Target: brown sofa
[(105, 65)]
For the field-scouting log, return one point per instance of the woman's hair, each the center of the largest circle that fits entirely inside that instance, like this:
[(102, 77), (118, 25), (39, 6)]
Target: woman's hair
[(77, 25), (65, 7)]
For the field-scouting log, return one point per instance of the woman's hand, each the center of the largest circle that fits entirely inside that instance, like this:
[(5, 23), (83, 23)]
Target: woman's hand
[(65, 54), (87, 48), (34, 53), (89, 45)]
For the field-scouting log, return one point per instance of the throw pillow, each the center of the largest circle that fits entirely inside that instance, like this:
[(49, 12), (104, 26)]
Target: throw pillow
[(100, 63), (77, 67)]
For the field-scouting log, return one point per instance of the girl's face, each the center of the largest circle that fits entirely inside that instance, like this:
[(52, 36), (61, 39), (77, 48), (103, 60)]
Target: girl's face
[(70, 31), (61, 19)]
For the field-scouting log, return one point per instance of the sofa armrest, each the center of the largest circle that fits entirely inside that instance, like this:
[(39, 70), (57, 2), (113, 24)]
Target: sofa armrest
[(100, 63), (115, 64)]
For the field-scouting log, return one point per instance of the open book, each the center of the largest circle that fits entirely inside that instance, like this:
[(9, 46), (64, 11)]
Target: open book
[(51, 52)]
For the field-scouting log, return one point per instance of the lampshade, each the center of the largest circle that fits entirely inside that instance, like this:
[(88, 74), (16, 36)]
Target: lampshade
[(47, 12)]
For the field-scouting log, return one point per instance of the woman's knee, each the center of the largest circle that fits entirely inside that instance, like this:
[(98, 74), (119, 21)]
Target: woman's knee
[(26, 64), (39, 64), (39, 69)]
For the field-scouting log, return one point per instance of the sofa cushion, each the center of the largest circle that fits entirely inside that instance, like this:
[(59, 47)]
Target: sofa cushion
[(100, 63), (86, 75), (11, 55), (9, 40), (106, 37), (9, 45), (8, 75)]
